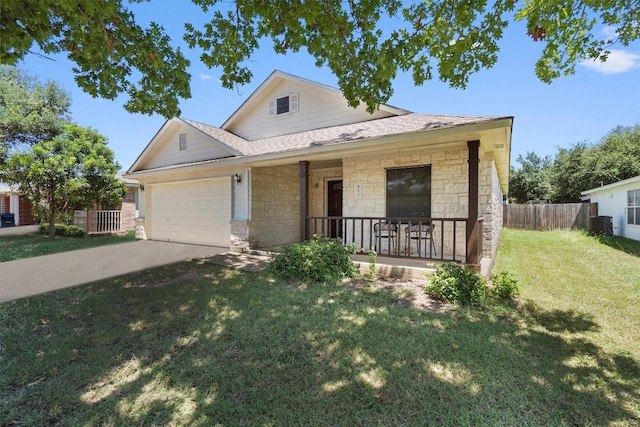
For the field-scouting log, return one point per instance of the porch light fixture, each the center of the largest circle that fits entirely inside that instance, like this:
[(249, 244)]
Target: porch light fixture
[(238, 178), (141, 187)]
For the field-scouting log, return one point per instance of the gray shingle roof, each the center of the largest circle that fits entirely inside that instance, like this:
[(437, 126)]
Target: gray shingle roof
[(372, 129)]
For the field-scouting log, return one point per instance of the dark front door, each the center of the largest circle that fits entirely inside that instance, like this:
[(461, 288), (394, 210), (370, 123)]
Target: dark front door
[(334, 208)]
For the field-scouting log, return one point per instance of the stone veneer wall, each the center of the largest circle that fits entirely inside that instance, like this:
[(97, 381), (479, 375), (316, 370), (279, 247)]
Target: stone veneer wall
[(140, 233), (275, 206), (490, 205), (449, 189)]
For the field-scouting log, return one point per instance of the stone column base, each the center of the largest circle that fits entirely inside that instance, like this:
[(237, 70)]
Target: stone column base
[(140, 233), (241, 240)]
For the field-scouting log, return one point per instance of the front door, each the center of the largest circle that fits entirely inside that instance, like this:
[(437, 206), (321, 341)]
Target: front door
[(334, 208)]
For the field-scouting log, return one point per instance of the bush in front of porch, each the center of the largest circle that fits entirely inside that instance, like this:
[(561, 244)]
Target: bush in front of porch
[(456, 284), (318, 260)]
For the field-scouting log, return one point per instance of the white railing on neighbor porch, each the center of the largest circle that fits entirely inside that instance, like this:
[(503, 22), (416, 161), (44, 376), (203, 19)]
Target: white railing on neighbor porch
[(99, 222), (108, 221)]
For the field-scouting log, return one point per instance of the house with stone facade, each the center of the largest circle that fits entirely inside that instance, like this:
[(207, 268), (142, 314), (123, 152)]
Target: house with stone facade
[(294, 161)]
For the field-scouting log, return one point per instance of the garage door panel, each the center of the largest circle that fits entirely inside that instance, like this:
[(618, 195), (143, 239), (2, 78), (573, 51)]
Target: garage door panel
[(192, 212)]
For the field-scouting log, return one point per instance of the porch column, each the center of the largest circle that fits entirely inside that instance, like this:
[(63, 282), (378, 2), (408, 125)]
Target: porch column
[(304, 198), (473, 202)]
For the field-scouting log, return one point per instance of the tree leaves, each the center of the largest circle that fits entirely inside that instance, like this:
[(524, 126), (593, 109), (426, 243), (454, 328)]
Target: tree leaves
[(109, 48), (532, 180), (29, 110), (75, 169), (364, 43), (578, 168)]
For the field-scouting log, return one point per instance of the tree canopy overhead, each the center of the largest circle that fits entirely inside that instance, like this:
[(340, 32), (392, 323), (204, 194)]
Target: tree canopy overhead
[(364, 43), (29, 110)]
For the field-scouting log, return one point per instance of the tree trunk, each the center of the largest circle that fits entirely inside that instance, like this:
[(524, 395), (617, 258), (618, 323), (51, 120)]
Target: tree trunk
[(52, 223)]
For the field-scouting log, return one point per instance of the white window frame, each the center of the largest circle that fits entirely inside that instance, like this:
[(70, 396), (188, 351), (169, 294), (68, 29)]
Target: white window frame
[(633, 205), (294, 105)]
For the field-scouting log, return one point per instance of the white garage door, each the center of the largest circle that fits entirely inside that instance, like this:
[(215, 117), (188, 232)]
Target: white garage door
[(194, 212)]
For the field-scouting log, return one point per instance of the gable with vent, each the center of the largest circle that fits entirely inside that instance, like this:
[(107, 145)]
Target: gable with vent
[(285, 104)]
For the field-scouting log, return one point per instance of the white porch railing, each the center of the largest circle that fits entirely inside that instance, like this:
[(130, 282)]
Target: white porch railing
[(99, 222), (108, 221)]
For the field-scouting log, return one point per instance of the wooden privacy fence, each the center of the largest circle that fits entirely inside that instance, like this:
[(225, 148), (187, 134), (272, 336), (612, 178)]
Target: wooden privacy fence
[(550, 217)]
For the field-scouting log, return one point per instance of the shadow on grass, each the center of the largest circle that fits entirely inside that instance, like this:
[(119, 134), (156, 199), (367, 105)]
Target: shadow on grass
[(628, 246), (196, 344)]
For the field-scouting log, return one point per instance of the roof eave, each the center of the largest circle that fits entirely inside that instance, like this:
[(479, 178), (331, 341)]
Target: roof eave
[(325, 149), (612, 185)]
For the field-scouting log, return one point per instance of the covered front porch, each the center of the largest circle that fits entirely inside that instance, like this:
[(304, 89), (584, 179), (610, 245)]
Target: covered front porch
[(416, 203), (352, 203)]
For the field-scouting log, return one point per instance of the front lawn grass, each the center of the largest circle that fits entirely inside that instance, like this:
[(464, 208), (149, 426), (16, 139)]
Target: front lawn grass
[(198, 344), (594, 281), (33, 245)]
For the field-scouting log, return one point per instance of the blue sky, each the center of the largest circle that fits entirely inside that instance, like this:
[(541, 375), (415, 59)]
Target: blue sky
[(581, 107)]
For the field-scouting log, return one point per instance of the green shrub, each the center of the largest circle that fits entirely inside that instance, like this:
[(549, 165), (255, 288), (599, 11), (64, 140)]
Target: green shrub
[(64, 230), (373, 256), (316, 260), (456, 284), (505, 285)]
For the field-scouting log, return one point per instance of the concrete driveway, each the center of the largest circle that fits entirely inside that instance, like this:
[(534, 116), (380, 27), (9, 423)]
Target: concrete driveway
[(37, 275)]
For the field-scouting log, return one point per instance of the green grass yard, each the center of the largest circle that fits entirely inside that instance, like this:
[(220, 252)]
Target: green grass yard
[(32, 245), (199, 345)]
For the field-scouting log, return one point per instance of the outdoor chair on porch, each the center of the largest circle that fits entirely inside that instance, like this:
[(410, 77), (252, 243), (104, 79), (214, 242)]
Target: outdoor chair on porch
[(384, 230), (420, 233)]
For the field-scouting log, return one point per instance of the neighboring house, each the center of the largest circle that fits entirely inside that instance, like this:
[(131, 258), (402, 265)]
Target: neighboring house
[(295, 160), (12, 203), (620, 201), (120, 218)]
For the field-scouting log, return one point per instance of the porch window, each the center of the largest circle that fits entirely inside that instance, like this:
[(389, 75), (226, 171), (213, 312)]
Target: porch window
[(409, 192), (633, 207)]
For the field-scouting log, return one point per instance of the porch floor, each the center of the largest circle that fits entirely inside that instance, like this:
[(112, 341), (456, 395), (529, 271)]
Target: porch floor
[(403, 268), (409, 268)]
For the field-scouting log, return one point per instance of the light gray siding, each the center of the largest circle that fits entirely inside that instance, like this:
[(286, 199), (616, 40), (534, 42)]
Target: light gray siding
[(198, 147), (317, 109)]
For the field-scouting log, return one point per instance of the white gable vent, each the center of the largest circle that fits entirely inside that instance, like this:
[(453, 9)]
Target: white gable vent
[(284, 105), (183, 141)]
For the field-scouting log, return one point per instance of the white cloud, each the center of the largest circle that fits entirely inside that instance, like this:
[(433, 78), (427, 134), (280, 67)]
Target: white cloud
[(609, 32), (618, 61), (205, 77)]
